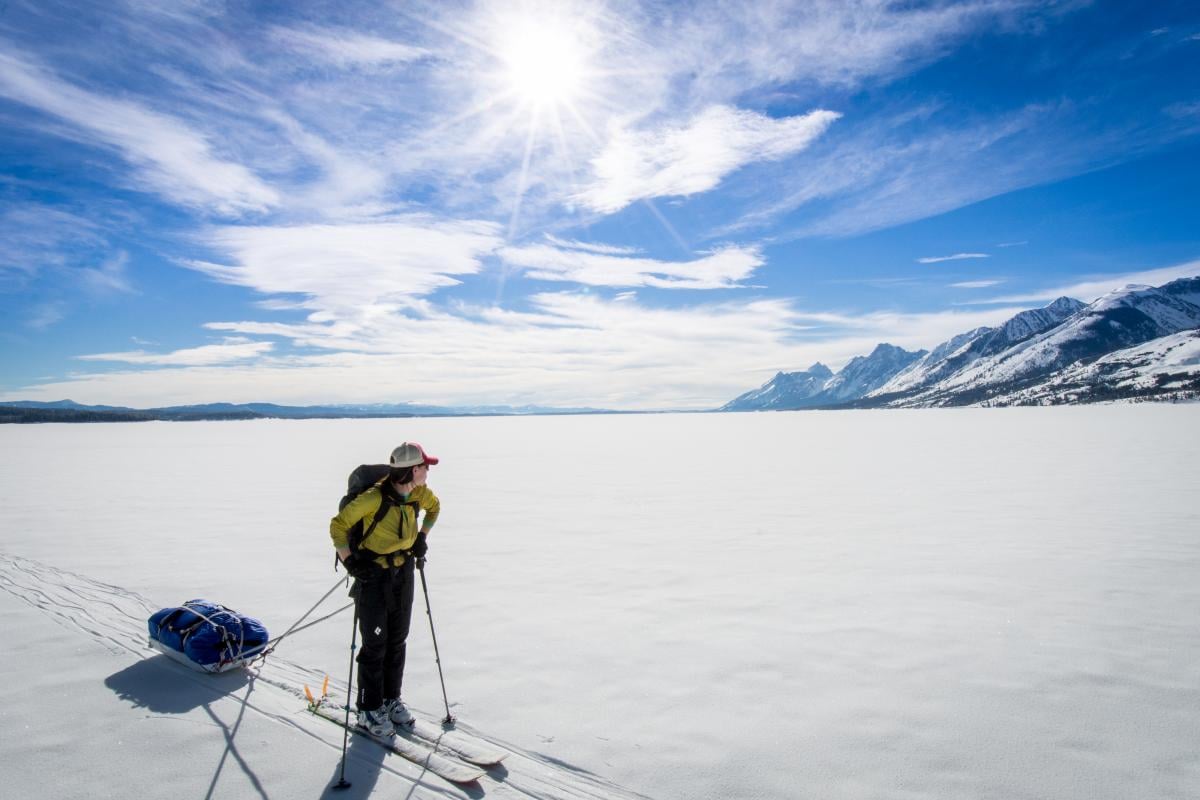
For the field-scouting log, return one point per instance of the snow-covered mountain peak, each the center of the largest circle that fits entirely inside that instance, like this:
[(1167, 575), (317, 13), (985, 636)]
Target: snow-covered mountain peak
[(820, 369), (1186, 289), (785, 390), (1167, 306), (1065, 306), (866, 373), (1124, 296), (1032, 322)]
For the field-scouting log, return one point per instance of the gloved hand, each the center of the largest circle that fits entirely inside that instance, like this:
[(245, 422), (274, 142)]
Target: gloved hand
[(360, 565), (420, 547)]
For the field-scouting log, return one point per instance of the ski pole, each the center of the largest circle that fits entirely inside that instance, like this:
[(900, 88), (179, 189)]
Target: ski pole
[(342, 783), (449, 720)]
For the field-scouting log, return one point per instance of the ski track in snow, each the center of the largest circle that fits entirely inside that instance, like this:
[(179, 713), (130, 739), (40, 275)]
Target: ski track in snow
[(116, 618)]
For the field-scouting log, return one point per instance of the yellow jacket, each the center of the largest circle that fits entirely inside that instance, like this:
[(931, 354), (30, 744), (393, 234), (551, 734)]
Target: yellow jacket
[(396, 531)]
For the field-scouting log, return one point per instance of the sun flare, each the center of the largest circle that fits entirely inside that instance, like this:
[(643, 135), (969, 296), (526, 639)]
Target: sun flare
[(541, 78), (543, 62)]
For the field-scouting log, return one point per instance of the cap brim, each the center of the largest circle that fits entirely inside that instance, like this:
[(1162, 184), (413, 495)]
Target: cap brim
[(430, 460)]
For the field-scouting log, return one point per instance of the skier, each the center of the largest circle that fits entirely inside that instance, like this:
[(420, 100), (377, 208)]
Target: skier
[(382, 565)]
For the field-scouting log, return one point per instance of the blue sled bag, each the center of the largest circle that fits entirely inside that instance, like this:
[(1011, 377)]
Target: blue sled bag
[(206, 636)]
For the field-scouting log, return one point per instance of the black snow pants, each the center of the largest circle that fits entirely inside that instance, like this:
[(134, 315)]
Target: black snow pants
[(385, 603)]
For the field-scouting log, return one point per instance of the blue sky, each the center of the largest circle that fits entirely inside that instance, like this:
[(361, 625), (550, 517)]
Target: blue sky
[(623, 205)]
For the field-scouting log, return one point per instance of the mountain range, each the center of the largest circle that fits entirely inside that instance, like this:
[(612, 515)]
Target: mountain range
[(70, 411), (1134, 343)]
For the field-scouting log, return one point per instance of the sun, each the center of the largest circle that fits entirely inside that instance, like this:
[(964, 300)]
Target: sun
[(543, 62), (536, 79)]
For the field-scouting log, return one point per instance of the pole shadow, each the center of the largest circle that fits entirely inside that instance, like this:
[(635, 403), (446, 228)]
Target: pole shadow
[(161, 686), (364, 762), (231, 749)]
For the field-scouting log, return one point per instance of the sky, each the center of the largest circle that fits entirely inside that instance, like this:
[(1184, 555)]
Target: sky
[(624, 205)]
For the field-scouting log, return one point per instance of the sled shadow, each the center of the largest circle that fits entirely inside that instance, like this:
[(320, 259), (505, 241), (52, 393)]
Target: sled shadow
[(159, 685), (162, 686)]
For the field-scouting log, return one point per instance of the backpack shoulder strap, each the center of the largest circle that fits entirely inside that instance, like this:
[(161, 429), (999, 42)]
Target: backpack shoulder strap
[(385, 505), (357, 534)]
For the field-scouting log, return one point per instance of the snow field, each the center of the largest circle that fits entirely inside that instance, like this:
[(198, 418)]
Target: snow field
[(945, 603)]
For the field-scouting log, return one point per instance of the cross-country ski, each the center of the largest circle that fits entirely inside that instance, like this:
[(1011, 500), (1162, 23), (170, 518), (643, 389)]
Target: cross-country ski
[(462, 745), (418, 752)]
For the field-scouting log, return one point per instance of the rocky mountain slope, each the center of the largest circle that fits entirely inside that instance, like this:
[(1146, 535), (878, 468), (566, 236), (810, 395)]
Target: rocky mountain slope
[(1136, 342)]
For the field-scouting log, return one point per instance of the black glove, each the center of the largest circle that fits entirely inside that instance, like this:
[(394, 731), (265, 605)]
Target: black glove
[(420, 547), (360, 565)]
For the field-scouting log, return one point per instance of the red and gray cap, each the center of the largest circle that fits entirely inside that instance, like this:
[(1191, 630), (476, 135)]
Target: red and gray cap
[(410, 454)]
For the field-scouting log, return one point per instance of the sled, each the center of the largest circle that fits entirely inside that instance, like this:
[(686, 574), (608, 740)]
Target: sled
[(207, 636)]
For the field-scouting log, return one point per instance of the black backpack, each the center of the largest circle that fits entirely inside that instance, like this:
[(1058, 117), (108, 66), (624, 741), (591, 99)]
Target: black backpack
[(364, 477)]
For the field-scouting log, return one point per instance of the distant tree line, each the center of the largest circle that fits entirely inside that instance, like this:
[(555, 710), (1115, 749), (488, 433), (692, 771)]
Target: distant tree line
[(18, 414)]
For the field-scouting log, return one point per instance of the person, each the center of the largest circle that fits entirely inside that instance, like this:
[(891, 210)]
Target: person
[(382, 566)]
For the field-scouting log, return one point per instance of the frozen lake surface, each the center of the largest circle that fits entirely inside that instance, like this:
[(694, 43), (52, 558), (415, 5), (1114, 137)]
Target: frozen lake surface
[(913, 604)]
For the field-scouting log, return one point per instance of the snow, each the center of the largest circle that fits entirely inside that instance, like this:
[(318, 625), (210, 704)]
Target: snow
[(1167, 354), (1168, 362), (960, 603)]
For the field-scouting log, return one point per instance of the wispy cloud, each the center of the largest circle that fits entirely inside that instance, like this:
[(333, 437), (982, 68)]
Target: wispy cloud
[(347, 49), (665, 109), (1089, 290), (352, 266), (955, 257), (898, 166), (904, 164), (721, 269), (685, 160), (207, 355), (975, 284), (110, 276), (34, 236), (550, 354), (45, 315), (1185, 111), (568, 348), (830, 42), (1013, 244), (171, 158), (591, 247)]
